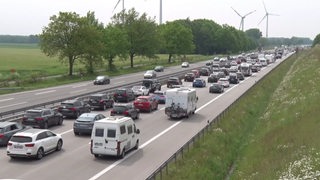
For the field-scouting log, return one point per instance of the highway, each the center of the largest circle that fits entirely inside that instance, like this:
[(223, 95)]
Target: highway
[(159, 138)]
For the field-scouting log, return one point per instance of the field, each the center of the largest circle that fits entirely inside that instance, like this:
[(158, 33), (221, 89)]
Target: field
[(272, 133), (25, 67)]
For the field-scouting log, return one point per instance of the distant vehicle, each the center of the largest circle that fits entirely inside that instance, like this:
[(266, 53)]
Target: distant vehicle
[(233, 78), (159, 69), (123, 95), (255, 68), (74, 108), (101, 80), (233, 69), (140, 90), (189, 77), (233, 63), (42, 118), (150, 74), (196, 72), (205, 72), (101, 101), (160, 96), (240, 76), (224, 82), (152, 84), (125, 110), (84, 123), (34, 143), (216, 88), (146, 103), (7, 129), (245, 68), (173, 81), (199, 82), (181, 102), (185, 65), (114, 136), (213, 77)]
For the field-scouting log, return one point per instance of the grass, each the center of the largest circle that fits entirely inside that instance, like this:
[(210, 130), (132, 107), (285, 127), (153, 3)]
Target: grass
[(25, 65), (271, 133)]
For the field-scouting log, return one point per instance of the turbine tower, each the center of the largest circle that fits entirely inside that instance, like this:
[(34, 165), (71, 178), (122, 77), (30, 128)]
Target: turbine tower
[(267, 16), (118, 4), (242, 18), (160, 15)]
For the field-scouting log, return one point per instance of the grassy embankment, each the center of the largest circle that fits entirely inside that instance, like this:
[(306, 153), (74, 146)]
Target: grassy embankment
[(25, 64), (271, 133)]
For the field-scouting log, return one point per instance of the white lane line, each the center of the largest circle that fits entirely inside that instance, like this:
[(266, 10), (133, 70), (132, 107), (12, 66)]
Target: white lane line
[(45, 92), (6, 99), (80, 85), (73, 92), (66, 132), (119, 82), (12, 105)]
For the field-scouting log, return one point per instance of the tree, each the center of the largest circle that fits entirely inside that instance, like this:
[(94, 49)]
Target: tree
[(177, 39), (62, 38), (116, 44), (141, 32), (316, 40)]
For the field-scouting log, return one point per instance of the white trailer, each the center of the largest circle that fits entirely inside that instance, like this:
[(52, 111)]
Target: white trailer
[(180, 102), (245, 68)]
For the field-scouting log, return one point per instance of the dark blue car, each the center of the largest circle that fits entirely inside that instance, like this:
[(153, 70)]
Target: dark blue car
[(198, 82)]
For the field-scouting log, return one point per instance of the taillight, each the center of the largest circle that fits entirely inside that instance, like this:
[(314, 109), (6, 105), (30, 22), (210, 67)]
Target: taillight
[(72, 109), (112, 112), (39, 119), (9, 144), (29, 145), (118, 147), (101, 101), (126, 113), (1, 135), (24, 118)]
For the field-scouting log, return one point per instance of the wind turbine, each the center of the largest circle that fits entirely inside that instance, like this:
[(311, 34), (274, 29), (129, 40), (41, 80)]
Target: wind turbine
[(118, 4), (242, 18), (267, 16), (160, 15)]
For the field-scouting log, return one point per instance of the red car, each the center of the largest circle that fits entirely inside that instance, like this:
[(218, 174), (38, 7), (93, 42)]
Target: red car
[(146, 103), (196, 72)]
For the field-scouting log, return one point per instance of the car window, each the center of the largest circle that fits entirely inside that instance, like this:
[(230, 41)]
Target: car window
[(50, 134), (130, 129), (1, 130), (21, 139), (99, 132), (122, 129), (85, 119), (111, 133), (41, 136), (119, 108)]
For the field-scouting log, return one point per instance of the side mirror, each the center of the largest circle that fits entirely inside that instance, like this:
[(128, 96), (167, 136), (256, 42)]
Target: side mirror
[(138, 131)]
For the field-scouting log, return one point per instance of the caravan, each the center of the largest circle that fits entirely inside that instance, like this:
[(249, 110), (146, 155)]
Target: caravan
[(114, 136)]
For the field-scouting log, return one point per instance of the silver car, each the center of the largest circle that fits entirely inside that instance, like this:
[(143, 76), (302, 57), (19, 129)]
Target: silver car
[(150, 74), (84, 123)]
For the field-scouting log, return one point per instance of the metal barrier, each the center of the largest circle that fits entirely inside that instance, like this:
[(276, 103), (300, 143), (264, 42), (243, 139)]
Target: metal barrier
[(186, 146)]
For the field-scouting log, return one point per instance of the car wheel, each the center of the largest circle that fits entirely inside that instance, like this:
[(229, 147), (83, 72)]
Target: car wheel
[(104, 107), (76, 133), (60, 121), (45, 126), (96, 155), (123, 154), (137, 116), (137, 145), (40, 154), (59, 145), (77, 114)]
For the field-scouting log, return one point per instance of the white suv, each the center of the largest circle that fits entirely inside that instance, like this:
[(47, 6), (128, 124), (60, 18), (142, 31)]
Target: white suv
[(33, 143)]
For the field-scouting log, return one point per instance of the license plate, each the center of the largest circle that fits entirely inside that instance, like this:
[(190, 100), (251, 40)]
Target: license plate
[(98, 144), (18, 146)]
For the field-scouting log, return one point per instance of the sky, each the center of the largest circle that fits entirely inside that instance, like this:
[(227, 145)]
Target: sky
[(292, 17)]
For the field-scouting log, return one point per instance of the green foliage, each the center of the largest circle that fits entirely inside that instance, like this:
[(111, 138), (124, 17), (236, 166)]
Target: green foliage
[(316, 40)]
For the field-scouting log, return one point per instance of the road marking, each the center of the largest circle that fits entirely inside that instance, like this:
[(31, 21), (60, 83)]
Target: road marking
[(66, 132), (12, 105), (45, 92), (6, 99), (119, 82), (73, 92), (80, 85)]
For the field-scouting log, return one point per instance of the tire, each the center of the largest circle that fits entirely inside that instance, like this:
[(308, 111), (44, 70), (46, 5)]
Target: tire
[(104, 107), (59, 145), (77, 114), (137, 145), (60, 121), (40, 154), (123, 154), (137, 116), (96, 155), (76, 133), (45, 126)]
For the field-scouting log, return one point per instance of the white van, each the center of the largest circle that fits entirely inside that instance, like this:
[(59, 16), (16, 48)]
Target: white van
[(114, 136)]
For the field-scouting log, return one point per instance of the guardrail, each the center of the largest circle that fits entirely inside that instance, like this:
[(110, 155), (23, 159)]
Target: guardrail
[(185, 148), (16, 114)]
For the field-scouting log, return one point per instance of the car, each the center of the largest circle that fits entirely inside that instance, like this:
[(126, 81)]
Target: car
[(199, 82), (101, 101), (152, 84), (159, 69), (42, 118), (233, 63), (205, 72), (150, 74), (240, 76), (127, 110), (224, 82), (233, 78), (196, 72), (34, 143), (101, 80), (233, 69), (173, 81), (123, 95), (146, 103), (185, 65), (74, 108), (213, 77), (160, 96), (255, 68), (84, 123), (140, 91), (7, 129), (189, 77), (225, 71), (216, 88)]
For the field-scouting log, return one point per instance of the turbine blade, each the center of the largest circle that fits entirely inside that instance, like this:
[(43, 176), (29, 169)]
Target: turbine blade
[(264, 7), (116, 5), (249, 13), (274, 14), (262, 18), (236, 12)]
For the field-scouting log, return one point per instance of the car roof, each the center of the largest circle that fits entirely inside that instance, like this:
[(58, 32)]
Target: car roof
[(143, 97), (70, 101), (37, 109), (30, 132), (6, 123), (98, 94), (89, 115)]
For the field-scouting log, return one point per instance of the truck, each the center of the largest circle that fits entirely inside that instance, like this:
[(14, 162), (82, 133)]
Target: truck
[(180, 102)]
